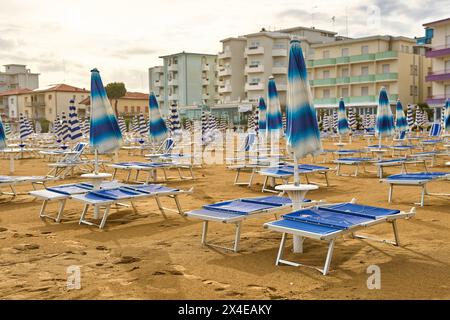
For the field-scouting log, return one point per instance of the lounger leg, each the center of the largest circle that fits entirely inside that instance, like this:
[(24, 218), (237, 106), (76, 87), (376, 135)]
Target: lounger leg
[(61, 210), (13, 190), (237, 237), (281, 249), (114, 174), (158, 202), (44, 205), (177, 202), (264, 184), (326, 179), (328, 259), (422, 196), (251, 177), (83, 213), (237, 176), (391, 191), (298, 244), (105, 216), (397, 238), (128, 175), (357, 169), (204, 232), (134, 207), (338, 170)]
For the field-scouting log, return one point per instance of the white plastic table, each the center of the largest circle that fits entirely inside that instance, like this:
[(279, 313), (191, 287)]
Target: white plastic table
[(96, 180), (297, 194)]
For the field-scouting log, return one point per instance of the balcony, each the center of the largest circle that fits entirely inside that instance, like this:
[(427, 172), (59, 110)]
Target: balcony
[(325, 101), (205, 67), (438, 75), (361, 79), (281, 87), (205, 96), (205, 82), (254, 68), (172, 67), (224, 88), (254, 50), (279, 70), (362, 99), (438, 51), (323, 82), (279, 52), (342, 80), (438, 99), (38, 104), (342, 60), (224, 54), (323, 62), (224, 71), (158, 83), (173, 82), (158, 70), (173, 96), (362, 58), (386, 76), (386, 55), (250, 86)]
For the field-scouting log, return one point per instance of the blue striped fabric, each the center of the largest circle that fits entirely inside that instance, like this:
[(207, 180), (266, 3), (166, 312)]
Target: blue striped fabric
[(262, 124), (74, 123), (2, 135), (104, 134), (122, 125), (174, 120), (65, 130), (274, 122), (385, 120), (143, 126), (400, 121), (158, 129), (302, 130), (342, 126), (410, 116), (24, 129), (447, 116), (7, 128), (351, 119)]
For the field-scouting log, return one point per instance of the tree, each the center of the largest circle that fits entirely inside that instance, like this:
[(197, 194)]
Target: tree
[(115, 91)]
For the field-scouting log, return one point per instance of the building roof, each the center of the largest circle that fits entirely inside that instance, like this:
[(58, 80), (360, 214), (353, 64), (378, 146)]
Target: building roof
[(437, 22), (61, 87), (14, 92), (187, 53), (241, 38), (306, 28), (362, 39), (128, 96)]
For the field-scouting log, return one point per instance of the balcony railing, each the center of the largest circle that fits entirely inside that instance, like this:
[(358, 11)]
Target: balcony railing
[(362, 57), (173, 67), (173, 96), (205, 81), (438, 99), (224, 88), (38, 104), (386, 76), (224, 54), (352, 59), (205, 67), (323, 82), (254, 50), (173, 82), (279, 70), (441, 75), (253, 68), (254, 86), (224, 71), (279, 52)]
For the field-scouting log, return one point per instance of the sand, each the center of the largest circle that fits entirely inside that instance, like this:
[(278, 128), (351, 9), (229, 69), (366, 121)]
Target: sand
[(146, 256)]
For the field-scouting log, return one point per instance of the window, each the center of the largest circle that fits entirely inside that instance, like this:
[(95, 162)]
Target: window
[(49, 97), (326, 93), (50, 110), (344, 72), (344, 92), (326, 54), (413, 70), (364, 71), (132, 109), (385, 68), (413, 90), (146, 110), (364, 49), (344, 52), (447, 65), (364, 91), (138, 109), (126, 109), (326, 74), (26, 99), (447, 39)]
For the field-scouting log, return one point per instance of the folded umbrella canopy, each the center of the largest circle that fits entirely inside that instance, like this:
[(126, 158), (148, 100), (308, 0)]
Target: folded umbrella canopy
[(302, 130), (342, 123), (262, 116), (104, 134), (2, 135), (157, 127), (351, 119), (400, 119), (24, 128), (447, 116), (385, 120), (74, 123)]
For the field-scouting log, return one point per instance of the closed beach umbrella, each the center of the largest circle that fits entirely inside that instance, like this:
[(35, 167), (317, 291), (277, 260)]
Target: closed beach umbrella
[(325, 123), (274, 121), (175, 120), (351, 119), (2, 135), (74, 123), (256, 121), (262, 115), (283, 119), (64, 129), (158, 129), (250, 122), (302, 131), (410, 116), (342, 127), (7, 128), (57, 127), (447, 116), (24, 129), (142, 125), (122, 125), (204, 121), (400, 119), (335, 120), (104, 134), (385, 120), (419, 118)]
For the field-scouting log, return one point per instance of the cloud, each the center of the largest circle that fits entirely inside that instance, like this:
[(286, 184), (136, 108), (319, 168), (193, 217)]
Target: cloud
[(6, 44), (134, 51)]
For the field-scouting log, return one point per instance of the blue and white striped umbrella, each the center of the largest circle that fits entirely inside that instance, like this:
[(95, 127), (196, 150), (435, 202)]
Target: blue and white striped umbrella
[(250, 122), (274, 120), (385, 120), (410, 116), (400, 119), (342, 127), (262, 124), (122, 125), (65, 130), (24, 128), (2, 135), (142, 125), (302, 132), (74, 123), (30, 125), (325, 123), (447, 116), (283, 120), (352, 119), (57, 127), (135, 125), (419, 117), (158, 129), (7, 128), (104, 134), (335, 121), (86, 126), (175, 120), (204, 123)]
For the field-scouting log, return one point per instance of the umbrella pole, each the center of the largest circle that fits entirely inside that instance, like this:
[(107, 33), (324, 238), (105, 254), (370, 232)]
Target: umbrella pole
[(379, 141), (296, 173), (96, 162)]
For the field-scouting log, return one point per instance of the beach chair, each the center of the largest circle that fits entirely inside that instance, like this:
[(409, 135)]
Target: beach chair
[(236, 212), (327, 222), (351, 161), (164, 149), (68, 163), (286, 171), (152, 169), (417, 179), (12, 181), (435, 132), (53, 154)]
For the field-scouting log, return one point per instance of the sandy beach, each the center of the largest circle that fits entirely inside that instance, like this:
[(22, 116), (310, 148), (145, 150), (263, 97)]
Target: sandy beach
[(146, 256)]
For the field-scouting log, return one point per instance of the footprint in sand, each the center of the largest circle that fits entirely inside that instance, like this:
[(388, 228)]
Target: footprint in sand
[(261, 288), (218, 285)]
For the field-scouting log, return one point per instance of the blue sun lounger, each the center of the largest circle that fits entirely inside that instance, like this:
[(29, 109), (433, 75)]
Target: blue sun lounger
[(285, 172), (236, 211), (151, 168), (418, 179), (13, 181), (330, 221), (351, 161)]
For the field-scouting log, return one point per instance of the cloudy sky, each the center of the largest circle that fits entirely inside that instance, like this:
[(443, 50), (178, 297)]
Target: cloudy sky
[(64, 39)]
